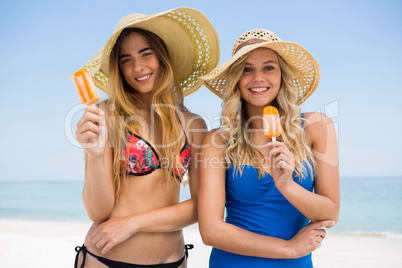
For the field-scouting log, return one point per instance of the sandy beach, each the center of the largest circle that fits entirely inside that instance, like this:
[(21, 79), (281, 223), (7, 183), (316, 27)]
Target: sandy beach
[(29, 243)]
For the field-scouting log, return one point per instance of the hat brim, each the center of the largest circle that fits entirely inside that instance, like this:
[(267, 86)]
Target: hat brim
[(304, 66), (191, 39)]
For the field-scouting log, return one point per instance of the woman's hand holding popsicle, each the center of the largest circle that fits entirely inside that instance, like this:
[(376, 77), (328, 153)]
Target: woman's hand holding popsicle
[(281, 159), (91, 130)]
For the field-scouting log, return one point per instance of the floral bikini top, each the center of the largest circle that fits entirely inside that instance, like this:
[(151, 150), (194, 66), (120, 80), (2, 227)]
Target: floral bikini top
[(143, 159)]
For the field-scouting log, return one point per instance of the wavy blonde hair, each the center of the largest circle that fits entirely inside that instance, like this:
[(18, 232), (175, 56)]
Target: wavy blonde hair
[(167, 105), (234, 120)]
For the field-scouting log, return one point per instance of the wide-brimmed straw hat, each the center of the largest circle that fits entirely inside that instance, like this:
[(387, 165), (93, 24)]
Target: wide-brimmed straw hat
[(191, 39), (305, 68)]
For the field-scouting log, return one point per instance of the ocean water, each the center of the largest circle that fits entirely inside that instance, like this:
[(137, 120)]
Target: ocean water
[(369, 206), (42, 200)]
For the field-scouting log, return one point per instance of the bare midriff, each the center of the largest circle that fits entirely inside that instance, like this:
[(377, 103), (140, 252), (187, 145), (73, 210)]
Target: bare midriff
[(142, 194)]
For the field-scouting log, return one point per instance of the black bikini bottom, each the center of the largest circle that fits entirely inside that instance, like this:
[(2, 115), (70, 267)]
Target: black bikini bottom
[(118, 264)]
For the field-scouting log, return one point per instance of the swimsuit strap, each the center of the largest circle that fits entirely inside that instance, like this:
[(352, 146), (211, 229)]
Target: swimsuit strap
[(78, 249), (84, 251), (111, 263), (188, 247)]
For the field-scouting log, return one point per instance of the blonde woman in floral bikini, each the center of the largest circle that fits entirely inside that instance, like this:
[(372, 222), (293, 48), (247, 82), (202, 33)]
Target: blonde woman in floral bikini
[(139, 143)]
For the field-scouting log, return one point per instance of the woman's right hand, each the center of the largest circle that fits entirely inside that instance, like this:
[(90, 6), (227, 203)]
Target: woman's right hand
[(91, 131), (309, 238)]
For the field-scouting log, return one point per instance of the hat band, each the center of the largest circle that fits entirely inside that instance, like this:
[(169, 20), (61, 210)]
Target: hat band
[(250, 42)]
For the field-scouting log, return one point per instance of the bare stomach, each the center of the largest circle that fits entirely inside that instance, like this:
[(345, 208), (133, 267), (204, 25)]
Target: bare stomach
[(144, 194), (145, 248)]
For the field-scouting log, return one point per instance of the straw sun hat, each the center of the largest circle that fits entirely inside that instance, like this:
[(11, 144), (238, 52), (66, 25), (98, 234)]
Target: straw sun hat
[(305, 68), (191, 39)]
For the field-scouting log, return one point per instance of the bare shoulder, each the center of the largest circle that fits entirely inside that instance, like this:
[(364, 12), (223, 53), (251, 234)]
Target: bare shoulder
[(213, 143), (194, 126), (193, 121), (213, 136), (316, 121), (320, 128)]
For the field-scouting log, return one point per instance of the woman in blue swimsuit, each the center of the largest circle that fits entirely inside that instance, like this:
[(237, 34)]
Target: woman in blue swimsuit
[(277, 194), (139, 143)]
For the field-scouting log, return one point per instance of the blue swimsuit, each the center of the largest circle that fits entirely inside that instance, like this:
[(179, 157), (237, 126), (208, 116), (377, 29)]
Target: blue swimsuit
[(257, 205)]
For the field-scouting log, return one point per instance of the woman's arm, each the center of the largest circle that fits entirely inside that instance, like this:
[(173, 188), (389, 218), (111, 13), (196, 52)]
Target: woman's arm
[(324, 203), (217, 233), (98, 192), (167, 219)]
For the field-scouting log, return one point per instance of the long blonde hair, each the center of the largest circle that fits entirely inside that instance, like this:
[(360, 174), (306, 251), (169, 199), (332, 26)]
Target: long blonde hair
[(234, 119), (167, 103)]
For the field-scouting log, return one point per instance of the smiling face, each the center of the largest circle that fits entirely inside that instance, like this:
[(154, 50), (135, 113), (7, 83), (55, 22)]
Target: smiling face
[(261, 79), (138, 62)]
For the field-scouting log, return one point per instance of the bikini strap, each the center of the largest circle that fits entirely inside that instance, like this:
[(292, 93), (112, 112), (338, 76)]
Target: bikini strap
[(188, 247), (108, 262), (84, 251)]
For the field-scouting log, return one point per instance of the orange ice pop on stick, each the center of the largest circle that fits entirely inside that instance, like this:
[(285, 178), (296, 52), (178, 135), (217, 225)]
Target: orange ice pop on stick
[(86, 87), (272, 125)]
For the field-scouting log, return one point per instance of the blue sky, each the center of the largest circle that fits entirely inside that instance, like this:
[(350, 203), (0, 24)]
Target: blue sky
[(357, 44)]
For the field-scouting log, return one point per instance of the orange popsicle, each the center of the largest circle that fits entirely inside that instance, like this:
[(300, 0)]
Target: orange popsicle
[(86, 87), (272, 125)]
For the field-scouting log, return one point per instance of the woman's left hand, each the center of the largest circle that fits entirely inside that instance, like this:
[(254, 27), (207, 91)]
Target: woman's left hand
[(111, 233), (282, 164)]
